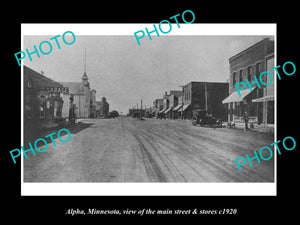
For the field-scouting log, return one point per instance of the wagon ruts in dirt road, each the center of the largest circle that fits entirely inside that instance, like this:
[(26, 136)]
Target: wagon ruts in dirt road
[(203, 118)]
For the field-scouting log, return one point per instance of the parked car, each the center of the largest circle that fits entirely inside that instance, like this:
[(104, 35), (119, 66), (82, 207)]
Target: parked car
[(202, 118), (113, 114)]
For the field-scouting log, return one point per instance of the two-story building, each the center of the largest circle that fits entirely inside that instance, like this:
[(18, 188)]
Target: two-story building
[(170, 101), (177, 109), (82, 97), (157, 107), (258, 102), (43, 100), (206, 96), (173, 102), (102, 108)]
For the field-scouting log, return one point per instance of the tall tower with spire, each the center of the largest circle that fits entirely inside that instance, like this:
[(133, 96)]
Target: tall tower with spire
[(84, 77)]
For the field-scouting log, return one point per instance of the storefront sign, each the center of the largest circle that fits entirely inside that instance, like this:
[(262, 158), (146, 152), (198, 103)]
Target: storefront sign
[(64, 90)]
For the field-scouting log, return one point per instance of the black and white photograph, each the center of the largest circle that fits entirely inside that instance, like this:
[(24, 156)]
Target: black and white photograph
[(165, 111), (149, 112)]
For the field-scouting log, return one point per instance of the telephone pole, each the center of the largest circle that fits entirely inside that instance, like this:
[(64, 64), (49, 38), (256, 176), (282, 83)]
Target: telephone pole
[(182, 101), (141, 109)]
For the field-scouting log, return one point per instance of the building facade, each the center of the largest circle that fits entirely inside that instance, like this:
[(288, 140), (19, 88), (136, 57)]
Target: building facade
[(92, 110), (267, 100), (169, 102), (43, 100), (173, 102), (157, 107), (102, 108), (258, 102), (177, 109), (82, 97), (206, 96)]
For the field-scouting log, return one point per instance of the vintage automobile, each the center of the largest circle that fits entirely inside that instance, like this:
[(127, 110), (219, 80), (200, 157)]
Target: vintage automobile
[(202, 118), (113, 114)]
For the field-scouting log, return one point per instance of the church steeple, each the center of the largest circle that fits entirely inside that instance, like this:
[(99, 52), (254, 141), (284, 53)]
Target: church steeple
[(84, 77)]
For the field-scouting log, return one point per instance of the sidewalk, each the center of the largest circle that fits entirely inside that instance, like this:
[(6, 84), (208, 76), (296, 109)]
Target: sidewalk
[(31, 133), (258, 128), (241, 126)]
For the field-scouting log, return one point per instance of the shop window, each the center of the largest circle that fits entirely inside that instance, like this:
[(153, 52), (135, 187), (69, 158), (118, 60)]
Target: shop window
[(270, 112), (57, 109), (42, 111), (260, 92)]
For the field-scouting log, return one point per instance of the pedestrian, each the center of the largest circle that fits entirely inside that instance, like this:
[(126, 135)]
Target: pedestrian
[(246, 119), (70, 115)]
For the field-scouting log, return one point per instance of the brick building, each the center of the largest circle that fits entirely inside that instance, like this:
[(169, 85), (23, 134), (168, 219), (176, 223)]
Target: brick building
[(206, 96), (258, 103)]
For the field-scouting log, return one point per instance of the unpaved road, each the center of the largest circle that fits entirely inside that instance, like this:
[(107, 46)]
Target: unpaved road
[(129, 150)]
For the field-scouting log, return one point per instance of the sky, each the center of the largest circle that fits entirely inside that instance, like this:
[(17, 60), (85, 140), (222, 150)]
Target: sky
[(125, 72)]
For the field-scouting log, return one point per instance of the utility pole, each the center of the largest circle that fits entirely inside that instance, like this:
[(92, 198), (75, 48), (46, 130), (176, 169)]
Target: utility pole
[(141, 109), (205, 91), (182, 101)]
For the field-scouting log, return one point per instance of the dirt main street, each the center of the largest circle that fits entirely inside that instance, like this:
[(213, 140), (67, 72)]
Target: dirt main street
[(129, 150)]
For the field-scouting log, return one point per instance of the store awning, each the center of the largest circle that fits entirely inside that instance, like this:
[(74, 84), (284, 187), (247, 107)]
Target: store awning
[(154, 110), (177, 107), (185, 107), (234, 97), (161, 111), (168, 110), (264, 99)]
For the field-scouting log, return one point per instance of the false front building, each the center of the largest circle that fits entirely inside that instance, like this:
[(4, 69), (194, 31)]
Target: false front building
[(83, 97), (43, 100), (206, 96)]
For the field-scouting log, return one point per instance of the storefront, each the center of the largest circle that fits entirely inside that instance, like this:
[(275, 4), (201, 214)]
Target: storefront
[(187, 111), (168, 112), (42, 106), (238, 105), (268, 108), (177, 111), (50, 106)]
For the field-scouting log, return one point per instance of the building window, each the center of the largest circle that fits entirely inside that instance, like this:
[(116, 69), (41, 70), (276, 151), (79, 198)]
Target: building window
[(257, 69), (42, 110), (241, 76), (233, 78), (249, 73), (57, 109)]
